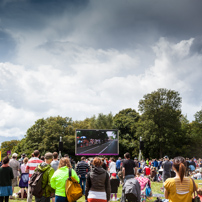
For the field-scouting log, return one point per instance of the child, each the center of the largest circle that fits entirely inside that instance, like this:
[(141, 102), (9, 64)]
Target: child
[(199, 192), (114, 182)]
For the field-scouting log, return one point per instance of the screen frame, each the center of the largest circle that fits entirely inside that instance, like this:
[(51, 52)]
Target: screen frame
[(91, 154)]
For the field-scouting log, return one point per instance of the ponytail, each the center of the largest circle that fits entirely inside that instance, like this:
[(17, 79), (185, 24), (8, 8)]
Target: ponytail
[(179, 164), (182, 170)]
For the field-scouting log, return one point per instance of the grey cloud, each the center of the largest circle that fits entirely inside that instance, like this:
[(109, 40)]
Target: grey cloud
[(196, 47), (7, 46), (107, 24)]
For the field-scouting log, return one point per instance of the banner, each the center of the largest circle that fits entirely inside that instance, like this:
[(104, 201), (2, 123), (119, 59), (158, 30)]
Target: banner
[(8, 152)]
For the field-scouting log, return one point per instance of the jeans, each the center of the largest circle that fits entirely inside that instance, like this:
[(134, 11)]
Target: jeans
[(60, 199), (42, 199), (2, 198), (83, 183)]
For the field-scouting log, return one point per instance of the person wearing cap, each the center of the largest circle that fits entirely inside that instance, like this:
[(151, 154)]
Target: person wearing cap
[(114, 182), (166, 165), (21, 159), (15, 165), (48, 172)]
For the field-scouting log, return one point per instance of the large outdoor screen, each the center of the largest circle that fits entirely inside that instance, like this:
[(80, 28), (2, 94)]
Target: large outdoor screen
[(96, 142)]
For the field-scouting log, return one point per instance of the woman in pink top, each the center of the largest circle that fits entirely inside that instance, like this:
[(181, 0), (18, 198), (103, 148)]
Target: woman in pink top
[(143, 181), (24, 177)]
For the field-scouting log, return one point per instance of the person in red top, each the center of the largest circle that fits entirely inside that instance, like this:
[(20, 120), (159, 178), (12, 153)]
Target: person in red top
[(31, 165), (147, 170)]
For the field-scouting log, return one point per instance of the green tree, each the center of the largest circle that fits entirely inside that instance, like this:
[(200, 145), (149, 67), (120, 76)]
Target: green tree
[(102, 121), (126, 121), (45, 134), (8, 146), (162, 110), (196, 134)]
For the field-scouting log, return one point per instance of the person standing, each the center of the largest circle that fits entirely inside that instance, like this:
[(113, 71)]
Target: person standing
[(55, 161), (24, 177), (6, 176), (118, 164), (179, 188), (82, 169), (59, 178), (129, 167), (112, 166), (31, 165), (48, 172), (98, 183), (15, 165), (166, 165)]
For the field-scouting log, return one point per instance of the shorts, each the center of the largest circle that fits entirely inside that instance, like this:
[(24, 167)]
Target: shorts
[(14, 182)]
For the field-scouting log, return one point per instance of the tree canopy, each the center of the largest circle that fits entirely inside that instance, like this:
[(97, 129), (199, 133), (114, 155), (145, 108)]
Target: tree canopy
[(165, 131)]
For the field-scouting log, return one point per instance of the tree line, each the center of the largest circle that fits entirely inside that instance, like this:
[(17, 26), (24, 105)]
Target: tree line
[(160, 123)]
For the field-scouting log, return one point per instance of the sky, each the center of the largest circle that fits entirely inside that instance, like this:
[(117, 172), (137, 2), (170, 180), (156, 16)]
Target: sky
[(79, 58)]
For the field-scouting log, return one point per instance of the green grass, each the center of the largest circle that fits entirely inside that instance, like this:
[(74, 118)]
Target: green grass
[(154, 185)]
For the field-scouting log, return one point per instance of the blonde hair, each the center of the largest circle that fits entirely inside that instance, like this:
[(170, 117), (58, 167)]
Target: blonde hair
[(64, 162), (25, 160)]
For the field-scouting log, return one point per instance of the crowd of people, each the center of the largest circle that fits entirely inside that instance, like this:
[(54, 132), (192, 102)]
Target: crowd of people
[(100, 178)]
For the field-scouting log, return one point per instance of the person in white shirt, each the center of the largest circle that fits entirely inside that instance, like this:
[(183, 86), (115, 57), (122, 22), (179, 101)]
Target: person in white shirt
[(197, 176), (112, 166)]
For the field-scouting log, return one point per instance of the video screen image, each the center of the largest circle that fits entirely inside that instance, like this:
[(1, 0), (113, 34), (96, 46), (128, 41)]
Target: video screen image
[(96, 142)]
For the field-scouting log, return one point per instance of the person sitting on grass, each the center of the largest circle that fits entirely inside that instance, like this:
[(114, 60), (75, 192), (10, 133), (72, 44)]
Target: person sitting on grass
[(199, 192)]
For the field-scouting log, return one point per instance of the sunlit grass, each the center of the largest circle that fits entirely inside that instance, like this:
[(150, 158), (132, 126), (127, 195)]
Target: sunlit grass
[(156, 189)]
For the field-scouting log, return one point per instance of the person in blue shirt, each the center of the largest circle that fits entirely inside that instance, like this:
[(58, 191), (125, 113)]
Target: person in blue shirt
[(118, 164), (155, 163)]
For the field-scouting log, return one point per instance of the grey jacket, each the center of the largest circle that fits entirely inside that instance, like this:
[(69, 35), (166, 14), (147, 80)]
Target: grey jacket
[(98, 180), (131, 186)]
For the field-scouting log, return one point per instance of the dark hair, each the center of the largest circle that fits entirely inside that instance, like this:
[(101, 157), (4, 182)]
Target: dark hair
[(5, 160), (113, 159), (127, 155), (97, 162), (42, 158), (83, 158), (36, 153), (55, 155), (199, 191), (66, 155), (179, 164)]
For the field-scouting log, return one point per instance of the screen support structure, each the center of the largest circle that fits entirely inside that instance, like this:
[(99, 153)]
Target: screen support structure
[(140, 153), (60, 148)]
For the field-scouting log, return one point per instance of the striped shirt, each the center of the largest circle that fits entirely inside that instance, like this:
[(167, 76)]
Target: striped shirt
[(182, 188), (32, 164), (82, 168)]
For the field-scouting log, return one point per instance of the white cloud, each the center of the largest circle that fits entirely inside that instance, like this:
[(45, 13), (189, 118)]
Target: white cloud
[(71, 80)]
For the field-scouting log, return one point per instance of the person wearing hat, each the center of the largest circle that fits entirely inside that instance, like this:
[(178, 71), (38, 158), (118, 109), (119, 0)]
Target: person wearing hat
[(15, 165), (48, 172), (114, 182), (21, 159)]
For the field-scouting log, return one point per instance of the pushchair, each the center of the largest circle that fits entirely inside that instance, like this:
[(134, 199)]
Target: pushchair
[(131, 191)]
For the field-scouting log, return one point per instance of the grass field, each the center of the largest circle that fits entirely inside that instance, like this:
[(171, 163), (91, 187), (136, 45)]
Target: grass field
[(154, 185)]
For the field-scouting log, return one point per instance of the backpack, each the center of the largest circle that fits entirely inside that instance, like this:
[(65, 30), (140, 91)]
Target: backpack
[(148, 191), (72, 188), (36, 183)]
